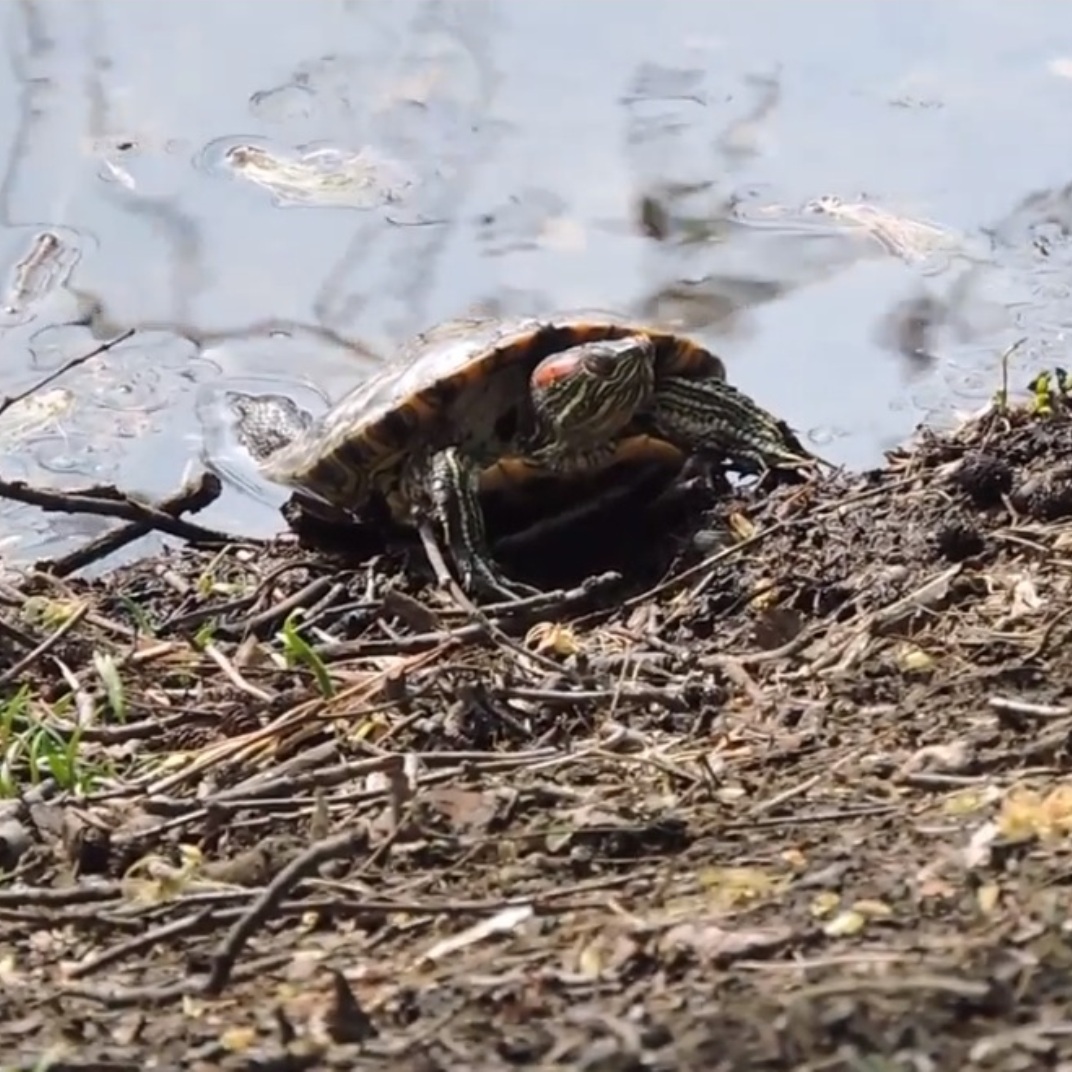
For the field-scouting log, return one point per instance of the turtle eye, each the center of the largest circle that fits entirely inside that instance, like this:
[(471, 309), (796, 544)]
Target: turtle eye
[(602, 364)]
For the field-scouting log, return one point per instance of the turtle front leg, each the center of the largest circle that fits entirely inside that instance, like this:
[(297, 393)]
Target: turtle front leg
[(450, 481), (711, 416)]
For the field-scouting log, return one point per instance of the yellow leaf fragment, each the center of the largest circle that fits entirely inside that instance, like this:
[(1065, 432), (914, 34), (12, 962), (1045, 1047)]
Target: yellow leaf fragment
[(1027, 813), (824, 903), (741, 526), (845, 924), (795, 859), (9, 973), (872, 909), (767, 594), (370, 728), (730, 887), (987, 897), (913, 660), (590, 961), (238, 1039), (193, 1007), (553, 637), (964, 803)]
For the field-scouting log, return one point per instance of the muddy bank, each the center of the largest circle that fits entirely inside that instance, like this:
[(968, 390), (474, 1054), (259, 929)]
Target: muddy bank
[(798, 801)]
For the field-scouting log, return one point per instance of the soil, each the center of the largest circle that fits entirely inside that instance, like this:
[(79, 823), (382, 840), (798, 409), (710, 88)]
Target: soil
[(798, 802)]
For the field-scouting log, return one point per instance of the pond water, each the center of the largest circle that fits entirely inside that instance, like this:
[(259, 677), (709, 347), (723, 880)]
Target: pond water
[(860, 206)]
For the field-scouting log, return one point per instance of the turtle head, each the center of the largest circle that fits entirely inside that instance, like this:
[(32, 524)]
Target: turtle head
[(587, 394), (267, 423)]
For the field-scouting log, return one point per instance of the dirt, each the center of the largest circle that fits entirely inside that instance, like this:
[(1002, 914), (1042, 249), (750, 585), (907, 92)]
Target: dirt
[(799, 803)]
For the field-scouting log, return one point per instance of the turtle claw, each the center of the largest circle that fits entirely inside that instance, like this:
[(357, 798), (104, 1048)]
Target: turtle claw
[(483, 579), (452, 479)]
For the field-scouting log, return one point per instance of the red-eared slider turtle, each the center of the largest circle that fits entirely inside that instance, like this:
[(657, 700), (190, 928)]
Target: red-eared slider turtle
[(473, 402)]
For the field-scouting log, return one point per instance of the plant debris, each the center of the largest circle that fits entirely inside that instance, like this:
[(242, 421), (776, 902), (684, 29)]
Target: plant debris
[(800, 801)]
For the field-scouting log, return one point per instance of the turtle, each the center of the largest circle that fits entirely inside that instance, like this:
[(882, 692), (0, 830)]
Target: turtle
[(477, 404)]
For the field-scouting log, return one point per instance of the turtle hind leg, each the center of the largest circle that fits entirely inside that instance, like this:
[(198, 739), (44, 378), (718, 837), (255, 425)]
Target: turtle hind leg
[(711, 415), (450, 483)]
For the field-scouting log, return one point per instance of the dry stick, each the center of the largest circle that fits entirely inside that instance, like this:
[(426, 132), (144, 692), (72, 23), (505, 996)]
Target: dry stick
[(1013, 706), (1047, 635), (563, 899), (24, 664), (966, 988), (263, 786), (333, 650), (804, 819), (492, 629), (183, 811), (319, 853), (237, 748), (192, 497), (217, 610), (10, 400), (136, 997), (706, 564), (16, 635), (143, 996), (53, 897), (140, 942), (234, 676), (107, 501), (309, 593)]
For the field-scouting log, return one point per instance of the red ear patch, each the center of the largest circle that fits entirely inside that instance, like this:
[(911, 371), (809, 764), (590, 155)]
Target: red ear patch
[(553, 369)]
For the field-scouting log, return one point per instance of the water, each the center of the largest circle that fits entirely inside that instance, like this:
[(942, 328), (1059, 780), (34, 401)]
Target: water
[(858, 205)]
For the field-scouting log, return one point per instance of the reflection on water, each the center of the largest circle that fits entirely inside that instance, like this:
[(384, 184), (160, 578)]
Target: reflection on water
[(287, 191)]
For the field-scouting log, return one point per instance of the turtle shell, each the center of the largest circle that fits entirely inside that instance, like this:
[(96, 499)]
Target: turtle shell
[(463, 383)]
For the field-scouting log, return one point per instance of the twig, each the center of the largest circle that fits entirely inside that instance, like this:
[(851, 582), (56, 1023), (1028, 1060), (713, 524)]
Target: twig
[(16, 635), (140, 942), (107, 501), (191, 498), (669, 697), (707, 564), (332, 848), (194, 618), (734, 670), (46, 645), (40, 896), (311, 593), (234, 676), (1047, 634), (1012, 706), (492, 628), (948, 984), (168, 995), (11, 400), (817, 817)]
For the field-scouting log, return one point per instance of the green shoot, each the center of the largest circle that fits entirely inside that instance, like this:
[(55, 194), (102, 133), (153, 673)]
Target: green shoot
[(108, 672), (297, 650)]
